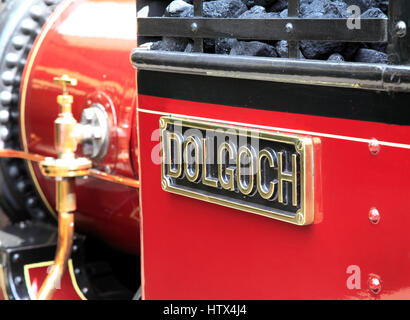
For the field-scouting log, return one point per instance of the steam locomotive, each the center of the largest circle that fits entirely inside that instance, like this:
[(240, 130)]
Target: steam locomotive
[(204, 149)]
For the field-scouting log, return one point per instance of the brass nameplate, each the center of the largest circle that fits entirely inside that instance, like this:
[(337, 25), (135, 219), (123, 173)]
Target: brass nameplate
[(262, 172)]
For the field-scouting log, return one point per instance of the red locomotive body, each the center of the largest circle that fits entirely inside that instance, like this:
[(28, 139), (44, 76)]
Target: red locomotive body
[(332, 157)]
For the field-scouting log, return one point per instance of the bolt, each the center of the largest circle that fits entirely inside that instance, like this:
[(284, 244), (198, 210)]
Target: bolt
[(4, 116), (5, 98), (289, 27), (19, 42), (374, 147), (18, 280), (194, 27), (4, 133), (401, 29), (15, 257), (28, 26), (374, 216), (12, 59), (375, 285), (7, 78)]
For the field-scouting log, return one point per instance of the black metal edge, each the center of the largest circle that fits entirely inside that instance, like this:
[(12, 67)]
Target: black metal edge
[(372, 29), (313, 72)]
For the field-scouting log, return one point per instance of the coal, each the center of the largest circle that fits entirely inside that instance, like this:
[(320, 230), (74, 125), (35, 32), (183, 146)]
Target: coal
[(370, 56), (224, 45), (258, 12), (336, 57), (170, 44), (265, 9), (362, 4), (253, 48), (263, 3), (279, 6), (178, 8), (282, 49)]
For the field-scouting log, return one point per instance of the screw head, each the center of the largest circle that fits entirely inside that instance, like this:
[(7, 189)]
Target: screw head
[(401, 29), (374, 147), (194, 27), (289, 27), (374, 216), (375, 284), (15, 257)]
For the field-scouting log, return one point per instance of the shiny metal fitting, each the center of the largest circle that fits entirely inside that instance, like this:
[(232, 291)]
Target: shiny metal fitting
[(374, 216), (375, 284), (374, 147)]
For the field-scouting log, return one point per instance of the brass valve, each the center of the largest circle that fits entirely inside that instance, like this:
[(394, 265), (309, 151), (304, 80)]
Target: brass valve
[(64, 169)]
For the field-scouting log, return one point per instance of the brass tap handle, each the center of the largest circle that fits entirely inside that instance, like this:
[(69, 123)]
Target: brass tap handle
[(65, 81)]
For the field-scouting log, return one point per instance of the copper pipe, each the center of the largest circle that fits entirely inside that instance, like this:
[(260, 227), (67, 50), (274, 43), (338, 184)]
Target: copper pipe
[(65, 242), (115, 179), (8, 153), (66, 205)]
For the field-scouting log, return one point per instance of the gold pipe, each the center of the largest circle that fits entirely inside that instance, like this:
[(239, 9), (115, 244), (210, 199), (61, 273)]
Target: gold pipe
[(8, 153), (65, 242), (125, 181)]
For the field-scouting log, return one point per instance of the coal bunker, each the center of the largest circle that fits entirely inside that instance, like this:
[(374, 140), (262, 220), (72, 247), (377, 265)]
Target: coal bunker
[(319, 50)]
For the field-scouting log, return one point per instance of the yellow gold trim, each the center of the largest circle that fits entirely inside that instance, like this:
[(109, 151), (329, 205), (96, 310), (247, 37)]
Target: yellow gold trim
[(28, 69), (47, 264), (303, 146), (2, 285)]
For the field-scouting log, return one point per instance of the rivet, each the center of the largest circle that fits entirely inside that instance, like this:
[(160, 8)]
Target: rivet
[(194, 27), (84, 290), (374, 216), (15, 257), (39, 214), (31, 202), (22, 225), (289, 27), (77, 271), (7, 78), (4, 133), (374, 146), (375, 285), (18, 280), (28, 26), (4, 116), (401, 29), (19, 42), (75, 248), (37, 13), (11, 59), (5, 98)]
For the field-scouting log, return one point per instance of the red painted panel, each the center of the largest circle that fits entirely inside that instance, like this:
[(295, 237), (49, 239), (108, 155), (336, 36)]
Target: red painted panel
[(66, 287), (198, 250)]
